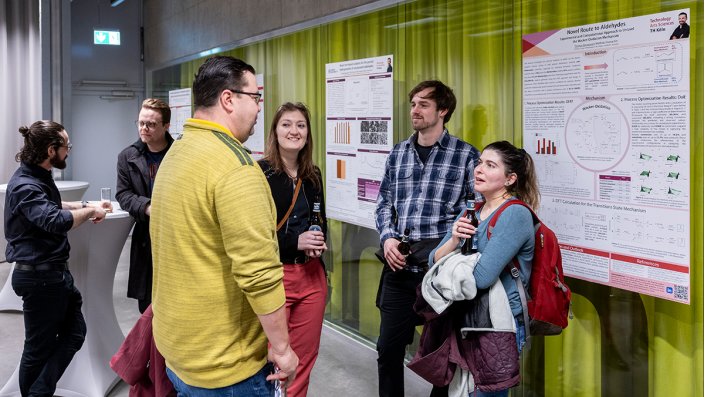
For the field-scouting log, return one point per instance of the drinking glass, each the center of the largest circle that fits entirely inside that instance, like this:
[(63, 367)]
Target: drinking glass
[(106, 195)]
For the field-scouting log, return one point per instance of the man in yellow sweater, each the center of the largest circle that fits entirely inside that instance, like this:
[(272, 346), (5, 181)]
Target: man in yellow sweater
[(217, 291)]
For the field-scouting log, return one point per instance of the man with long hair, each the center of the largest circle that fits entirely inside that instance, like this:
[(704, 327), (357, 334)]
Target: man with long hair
[(36, 227)]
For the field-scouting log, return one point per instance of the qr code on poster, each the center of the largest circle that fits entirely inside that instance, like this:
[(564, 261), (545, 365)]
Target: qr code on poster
[(680, 292)]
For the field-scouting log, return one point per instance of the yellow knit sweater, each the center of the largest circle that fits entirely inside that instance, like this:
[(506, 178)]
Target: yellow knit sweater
[(216, 260)]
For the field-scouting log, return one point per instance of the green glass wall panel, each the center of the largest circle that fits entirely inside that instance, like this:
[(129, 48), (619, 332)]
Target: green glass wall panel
[(620, 343)]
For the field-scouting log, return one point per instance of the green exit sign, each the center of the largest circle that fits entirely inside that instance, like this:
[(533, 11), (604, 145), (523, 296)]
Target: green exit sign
[(106, 37)]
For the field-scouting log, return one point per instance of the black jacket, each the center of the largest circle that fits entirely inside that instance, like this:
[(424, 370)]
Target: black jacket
[(283, 192), (133, 195)]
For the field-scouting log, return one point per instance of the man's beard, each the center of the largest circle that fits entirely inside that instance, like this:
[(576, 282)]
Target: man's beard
[(57, 163), (422, 124)]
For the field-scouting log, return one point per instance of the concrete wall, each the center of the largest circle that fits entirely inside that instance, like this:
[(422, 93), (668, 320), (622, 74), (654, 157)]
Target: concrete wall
[(100, 128), (179, 29)]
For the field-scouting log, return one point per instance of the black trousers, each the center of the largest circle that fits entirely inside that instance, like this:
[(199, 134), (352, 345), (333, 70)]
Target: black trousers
[(54, 328), (143, 304), (395, 300)]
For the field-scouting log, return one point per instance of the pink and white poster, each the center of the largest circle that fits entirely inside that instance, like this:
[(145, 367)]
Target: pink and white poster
[(606, 117), (359, 126)]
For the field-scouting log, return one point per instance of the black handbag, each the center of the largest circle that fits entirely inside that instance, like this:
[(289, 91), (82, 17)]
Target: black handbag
[(418, 256)]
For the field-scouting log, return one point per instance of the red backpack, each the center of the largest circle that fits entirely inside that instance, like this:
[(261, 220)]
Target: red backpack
[(546, 307)]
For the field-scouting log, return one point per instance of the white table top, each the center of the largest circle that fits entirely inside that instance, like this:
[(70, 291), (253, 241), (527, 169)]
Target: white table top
[(70, 185), (95, 251)]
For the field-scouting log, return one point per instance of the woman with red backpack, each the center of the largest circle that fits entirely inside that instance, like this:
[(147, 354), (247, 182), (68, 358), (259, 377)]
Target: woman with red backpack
[(503, 173)]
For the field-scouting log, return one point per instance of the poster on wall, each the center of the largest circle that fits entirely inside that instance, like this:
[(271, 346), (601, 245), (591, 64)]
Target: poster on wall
[(606, 117), (359, 111), (180, 105), (256, 141)]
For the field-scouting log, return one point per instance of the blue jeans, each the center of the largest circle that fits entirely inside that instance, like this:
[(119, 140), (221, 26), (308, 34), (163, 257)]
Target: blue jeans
[(521, 339), (255, 386), (54, 328)]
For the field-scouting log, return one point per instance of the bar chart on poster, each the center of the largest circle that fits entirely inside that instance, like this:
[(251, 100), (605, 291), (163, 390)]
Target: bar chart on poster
[(546, 146), (359, 113)]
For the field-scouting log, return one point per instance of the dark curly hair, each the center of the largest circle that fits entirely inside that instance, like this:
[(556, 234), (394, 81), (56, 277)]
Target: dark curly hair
[(517, 161), (38, 138)]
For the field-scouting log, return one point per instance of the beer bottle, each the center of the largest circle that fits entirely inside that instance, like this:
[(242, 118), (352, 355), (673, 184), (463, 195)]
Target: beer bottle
[(315, 222), (469, 246), (404, 247)]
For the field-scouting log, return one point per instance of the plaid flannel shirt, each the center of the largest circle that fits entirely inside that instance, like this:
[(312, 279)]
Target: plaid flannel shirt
[(424, 198)]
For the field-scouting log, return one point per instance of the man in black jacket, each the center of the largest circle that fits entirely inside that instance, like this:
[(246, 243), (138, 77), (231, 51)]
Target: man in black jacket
[(136, 169)]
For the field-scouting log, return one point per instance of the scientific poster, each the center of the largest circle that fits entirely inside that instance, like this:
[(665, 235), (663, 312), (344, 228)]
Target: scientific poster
[(256, 141), (359, 111), (180, 105), (606, 117)]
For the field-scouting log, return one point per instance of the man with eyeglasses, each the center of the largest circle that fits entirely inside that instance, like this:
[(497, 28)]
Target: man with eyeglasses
[(36, 227), (137, 167), (218, 296)]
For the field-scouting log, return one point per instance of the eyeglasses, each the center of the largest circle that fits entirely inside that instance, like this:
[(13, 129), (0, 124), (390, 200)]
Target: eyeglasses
[(254, 95), (150, 125), (68, 147)]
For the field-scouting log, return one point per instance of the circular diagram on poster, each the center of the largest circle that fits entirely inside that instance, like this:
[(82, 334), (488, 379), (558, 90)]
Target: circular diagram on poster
[(597, 135)]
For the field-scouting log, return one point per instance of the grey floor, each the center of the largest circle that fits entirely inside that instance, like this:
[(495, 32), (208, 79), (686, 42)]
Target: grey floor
[(344, 368)]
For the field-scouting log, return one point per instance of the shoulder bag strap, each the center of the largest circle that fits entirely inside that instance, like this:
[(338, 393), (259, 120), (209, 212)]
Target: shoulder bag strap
[(291, 207)]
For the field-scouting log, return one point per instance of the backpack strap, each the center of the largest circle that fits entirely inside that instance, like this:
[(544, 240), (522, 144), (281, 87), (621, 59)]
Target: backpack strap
[(513, 266), (513, 269), (495, 216)]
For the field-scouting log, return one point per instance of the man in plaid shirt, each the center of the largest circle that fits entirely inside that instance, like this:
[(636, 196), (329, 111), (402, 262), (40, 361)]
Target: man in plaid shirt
[(425, 183)]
